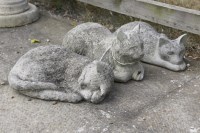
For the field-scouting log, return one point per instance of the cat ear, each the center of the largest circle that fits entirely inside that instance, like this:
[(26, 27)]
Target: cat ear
[(182, 39), (163, 41), (137, 29), (121, 36)]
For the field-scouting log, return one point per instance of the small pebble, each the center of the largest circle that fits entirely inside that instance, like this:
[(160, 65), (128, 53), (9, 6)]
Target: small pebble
[(12, 97), (3, 82), (179, 86), (188, 65), (48, 40), (111, 13)]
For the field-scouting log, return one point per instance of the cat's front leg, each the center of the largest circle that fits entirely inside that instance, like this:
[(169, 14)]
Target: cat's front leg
[(121, 76), (174, 67), (180, 67), (138, 72)]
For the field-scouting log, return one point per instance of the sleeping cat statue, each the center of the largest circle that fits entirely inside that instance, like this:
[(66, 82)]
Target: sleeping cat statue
[(123, 51), (158, 48), (56, 73)]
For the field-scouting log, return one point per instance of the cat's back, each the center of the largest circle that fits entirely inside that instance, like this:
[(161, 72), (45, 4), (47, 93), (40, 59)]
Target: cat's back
[(145, 28), (83, 38), (44, 63), (44, 55)]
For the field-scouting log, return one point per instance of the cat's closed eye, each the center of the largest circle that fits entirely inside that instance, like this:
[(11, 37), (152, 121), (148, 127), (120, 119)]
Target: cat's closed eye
[(170, 53), (83, 86), (165, 57)]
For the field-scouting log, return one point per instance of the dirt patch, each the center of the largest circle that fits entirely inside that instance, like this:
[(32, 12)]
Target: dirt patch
[(79, 12)]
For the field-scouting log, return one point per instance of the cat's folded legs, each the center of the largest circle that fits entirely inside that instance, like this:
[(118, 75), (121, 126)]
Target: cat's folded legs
[(180, 67), (121, 76), (173, 67), (124, 76), (138, 72)]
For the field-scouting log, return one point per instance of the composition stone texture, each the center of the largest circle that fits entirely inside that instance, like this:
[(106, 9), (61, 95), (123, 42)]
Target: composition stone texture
[(122, 51), (56, 73), (17, 13), (158, 48), (164, 102)]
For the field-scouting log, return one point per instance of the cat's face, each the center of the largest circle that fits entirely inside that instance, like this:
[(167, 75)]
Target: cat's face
[(172, 50), (95, 81), (128, 47)]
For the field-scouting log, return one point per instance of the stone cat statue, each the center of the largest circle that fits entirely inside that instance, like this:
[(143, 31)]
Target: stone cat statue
[(158, 48), (123, 51), (56, 73)]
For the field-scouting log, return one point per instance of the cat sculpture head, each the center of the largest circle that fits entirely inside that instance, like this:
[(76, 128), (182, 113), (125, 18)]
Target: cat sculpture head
[(173, 51), (96, 81), (128, 47)]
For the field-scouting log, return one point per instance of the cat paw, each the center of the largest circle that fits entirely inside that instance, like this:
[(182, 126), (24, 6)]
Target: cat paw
[(180, 67), (97, 97), (139, 74), (183, 66)]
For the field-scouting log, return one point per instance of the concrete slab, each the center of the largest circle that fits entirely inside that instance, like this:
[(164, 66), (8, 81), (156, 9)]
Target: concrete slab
[(164, 101)]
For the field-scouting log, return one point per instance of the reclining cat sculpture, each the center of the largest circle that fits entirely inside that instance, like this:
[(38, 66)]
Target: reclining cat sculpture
[(56, 73), (123, 51), (158, 48)]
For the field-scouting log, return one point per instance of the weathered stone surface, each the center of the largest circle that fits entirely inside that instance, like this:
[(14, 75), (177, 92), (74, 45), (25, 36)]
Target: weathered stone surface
[(155, 105), (17, 13), (83, 38), (55, 73), (122, 51), (158, 48)]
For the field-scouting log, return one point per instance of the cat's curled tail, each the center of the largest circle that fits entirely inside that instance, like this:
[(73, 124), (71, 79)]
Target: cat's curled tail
[(21, 85), (42, 90)]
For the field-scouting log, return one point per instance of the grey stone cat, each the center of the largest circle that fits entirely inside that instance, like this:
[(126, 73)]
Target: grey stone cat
[(158, 48), (56, 73), (123, 52)]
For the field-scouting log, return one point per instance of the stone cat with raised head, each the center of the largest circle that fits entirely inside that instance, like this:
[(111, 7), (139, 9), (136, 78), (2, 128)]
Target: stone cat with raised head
[(123, 51), (158, 48)]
